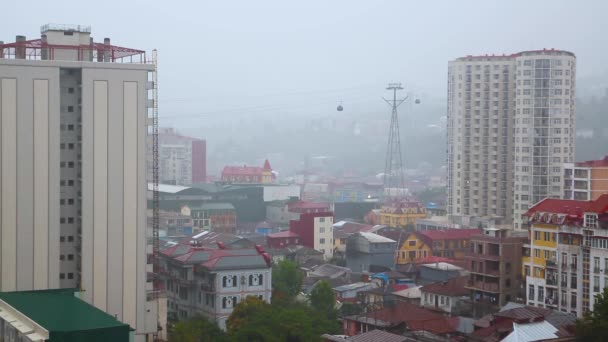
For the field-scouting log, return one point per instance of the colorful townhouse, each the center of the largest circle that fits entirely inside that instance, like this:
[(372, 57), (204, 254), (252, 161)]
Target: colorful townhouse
[(249, 174), (448, 243), (402, 214), (565, 265)]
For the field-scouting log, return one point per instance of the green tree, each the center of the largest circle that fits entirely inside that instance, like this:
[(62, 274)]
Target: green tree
[(322, 299), (594, 326), (197, 329), (286, 280), (254, 320)]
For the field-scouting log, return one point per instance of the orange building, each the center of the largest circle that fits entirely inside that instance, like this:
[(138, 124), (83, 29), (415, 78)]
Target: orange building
[(401, 214), (448, 243), (586, 181), (248, 174)]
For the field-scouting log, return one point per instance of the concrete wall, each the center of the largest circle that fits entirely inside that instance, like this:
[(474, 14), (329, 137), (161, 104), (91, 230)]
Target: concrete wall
[(29, 144)]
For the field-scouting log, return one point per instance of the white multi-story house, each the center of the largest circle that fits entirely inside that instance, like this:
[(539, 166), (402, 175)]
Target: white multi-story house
[(567, 266), (211, 282)]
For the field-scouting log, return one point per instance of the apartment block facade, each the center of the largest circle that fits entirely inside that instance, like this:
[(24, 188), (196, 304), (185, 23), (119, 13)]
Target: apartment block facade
[(74, 119), (585, 181), (510, 128), (566, 262), (182, 159), (494, 261)]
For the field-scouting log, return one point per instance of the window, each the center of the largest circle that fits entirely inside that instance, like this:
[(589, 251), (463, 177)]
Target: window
[(531, 292), (322, 241), (70, 275), (70, 90), (596, 283), (62, 239), (70, 256), (573, 300), (62, 257), (321, 219), (229, 302), (573, 281), (411, 243), (322, 230), (61, 275), (255, 279), (541, 294), (537, 253), (70, 109), (536, 235), (441, 300), (71, 238), (229, 281)]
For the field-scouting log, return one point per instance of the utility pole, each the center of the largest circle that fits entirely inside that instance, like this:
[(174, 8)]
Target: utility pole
[(393, 170)]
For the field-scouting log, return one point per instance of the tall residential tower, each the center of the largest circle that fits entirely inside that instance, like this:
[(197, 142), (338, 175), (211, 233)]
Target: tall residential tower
[(510, 129), (74, 121)]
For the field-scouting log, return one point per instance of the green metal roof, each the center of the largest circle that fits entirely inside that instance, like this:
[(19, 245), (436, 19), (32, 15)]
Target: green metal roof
[(60, 311), (214, 206)]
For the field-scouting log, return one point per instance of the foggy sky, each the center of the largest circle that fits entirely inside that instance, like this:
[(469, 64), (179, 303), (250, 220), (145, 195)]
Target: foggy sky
[(280, 57)]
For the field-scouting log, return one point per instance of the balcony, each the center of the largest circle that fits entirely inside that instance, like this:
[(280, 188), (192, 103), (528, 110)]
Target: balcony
[(551, 264), (483, 286), (551, 301)]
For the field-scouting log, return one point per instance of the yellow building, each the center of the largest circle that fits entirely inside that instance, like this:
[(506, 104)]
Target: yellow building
[(402, 214), (445, 243), (412, 249)]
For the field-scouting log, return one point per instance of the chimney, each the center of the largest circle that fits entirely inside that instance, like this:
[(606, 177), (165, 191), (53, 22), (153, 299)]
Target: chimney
[(44, 52), (91, 49), (20, 49), (107, 55)]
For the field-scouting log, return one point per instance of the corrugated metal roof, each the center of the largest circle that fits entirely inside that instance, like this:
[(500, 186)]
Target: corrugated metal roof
[(168, 188), (531, 332), (239, 262), (375, 238)]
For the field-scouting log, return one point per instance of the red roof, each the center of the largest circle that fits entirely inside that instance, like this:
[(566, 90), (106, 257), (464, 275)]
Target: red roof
[(448, 234), (307, 205), (594, 163), (438, 326), (570, 207), (267, 165), (242, 170), (410, 313), (284, 234), (454, 287)]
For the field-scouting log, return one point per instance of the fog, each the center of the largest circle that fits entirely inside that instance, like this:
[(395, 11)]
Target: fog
[(263, 78)]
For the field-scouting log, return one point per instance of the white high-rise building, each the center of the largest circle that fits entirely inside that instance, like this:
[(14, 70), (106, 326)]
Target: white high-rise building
[(510, 129), (74, 116), (544, 126), (480, 122)]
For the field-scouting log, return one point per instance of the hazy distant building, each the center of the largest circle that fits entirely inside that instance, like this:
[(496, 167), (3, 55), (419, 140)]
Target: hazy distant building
[(249, 174), (586, 180), (182, 159), (510, 128), (74, 117)]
